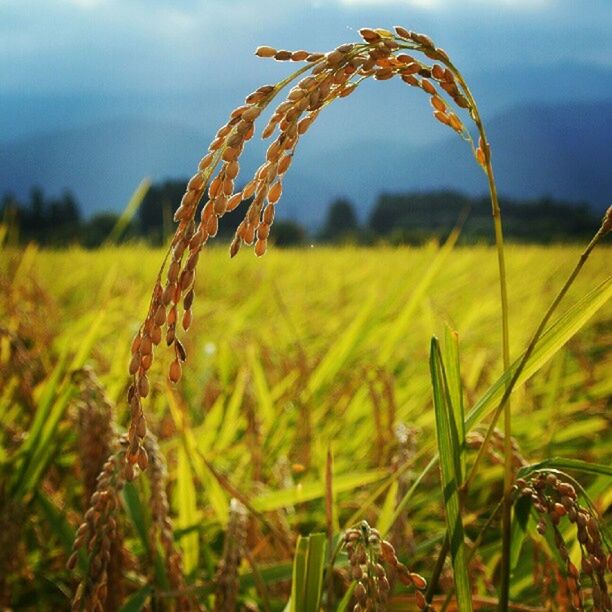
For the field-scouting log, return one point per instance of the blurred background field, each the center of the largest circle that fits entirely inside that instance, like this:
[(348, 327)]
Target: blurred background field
[(289, 355)]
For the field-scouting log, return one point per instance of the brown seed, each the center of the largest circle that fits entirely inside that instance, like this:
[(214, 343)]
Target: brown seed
[(230, 154), (72, 560), (206, 161), (265, 51), (215, 145), (402, 32), (284, 163), (181, 353), (461, 101), (268, 215), (437, 72), (418, 581), (383, 74), (155, 336), (187, 278), (234, 201), (273, 151), (235, 140), (423, 40), (143, 386), (298, 56), (388, 552), (224, 131), (234, 246), (360, 592), (265, 89), (304, 124), (428, 87), (565, 488), (147, 361), (455, 122), (334, 58), (228, 187), (255, 97), (315, 57), (231, 170), (410, 79), (135, 343), (134, 364), (296, 94), (442, 117), (212, 226), (438, 103), (192, 262), (282, 56), (215, 186), (143, 459), (186, 320), (174, 373), (410, 69), (275, 192), (249, 234), (369, 35), (195, 182), (263, 231), (219, 207), (173, 271), (480, 157)]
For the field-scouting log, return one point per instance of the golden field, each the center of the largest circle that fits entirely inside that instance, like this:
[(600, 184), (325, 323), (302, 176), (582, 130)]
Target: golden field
[(289, 356)]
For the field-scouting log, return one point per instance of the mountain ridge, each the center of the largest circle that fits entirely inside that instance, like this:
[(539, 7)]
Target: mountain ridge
[(560, 150)]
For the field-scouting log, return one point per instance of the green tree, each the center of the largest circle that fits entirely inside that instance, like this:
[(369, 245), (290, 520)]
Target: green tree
[(341, 221)]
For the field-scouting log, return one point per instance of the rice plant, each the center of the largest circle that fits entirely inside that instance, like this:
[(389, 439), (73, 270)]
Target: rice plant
[(283, 449)]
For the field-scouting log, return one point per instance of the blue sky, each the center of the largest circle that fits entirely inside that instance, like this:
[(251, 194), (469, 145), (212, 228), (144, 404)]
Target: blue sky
[(72, 68), (121, 46)]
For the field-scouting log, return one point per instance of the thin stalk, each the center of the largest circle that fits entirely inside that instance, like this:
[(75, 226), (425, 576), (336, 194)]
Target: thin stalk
[(506, 507), (472, 552), (606, 226), (503, 287), (432, 583), (503, 407)]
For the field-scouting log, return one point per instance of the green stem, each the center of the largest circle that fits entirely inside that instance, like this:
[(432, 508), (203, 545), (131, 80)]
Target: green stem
[(507, 507), (501, 262), (601, 232), (437, 571), (503, 406)]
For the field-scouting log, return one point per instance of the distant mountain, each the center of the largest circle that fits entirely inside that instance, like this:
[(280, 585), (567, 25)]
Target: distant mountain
[(25, 114), (563, 151), (559, 150)]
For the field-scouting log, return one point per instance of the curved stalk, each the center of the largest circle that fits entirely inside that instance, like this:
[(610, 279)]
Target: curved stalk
[(501, 263)]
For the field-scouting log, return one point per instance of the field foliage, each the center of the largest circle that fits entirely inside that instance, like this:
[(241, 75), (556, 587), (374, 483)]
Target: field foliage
[(303, 363)]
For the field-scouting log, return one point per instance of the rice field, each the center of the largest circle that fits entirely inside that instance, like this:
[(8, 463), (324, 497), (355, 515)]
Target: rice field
[(307, 405)]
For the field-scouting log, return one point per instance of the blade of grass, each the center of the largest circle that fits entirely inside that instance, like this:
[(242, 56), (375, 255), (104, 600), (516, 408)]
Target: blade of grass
[(551, 341), (128, 212), (340, 350), (314, 490), (450, 468), (561, 463), (187, 511), (455, 387), (308, 565), (403, 321)]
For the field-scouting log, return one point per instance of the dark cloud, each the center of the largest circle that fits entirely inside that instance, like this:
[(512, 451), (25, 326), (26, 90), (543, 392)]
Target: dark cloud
[(110, 45)]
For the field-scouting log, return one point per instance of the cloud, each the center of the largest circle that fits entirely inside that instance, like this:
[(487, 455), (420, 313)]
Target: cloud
[(86, 4), (453, 5)]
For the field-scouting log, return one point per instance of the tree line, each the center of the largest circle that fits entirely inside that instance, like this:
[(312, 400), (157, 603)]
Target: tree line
[(404, 218)]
